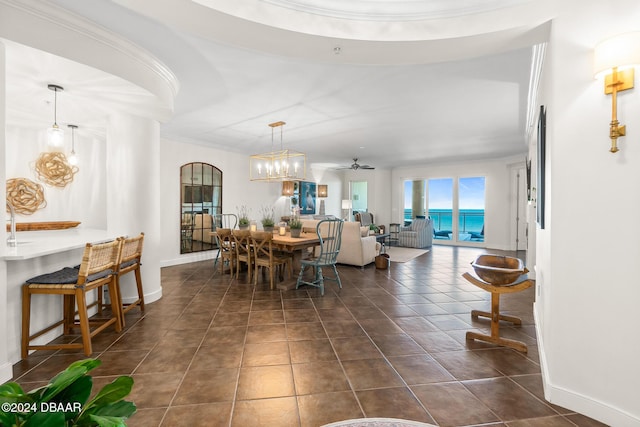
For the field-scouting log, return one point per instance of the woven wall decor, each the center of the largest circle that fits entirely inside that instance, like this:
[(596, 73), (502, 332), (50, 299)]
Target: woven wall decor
[(53, 169), (25, 196)]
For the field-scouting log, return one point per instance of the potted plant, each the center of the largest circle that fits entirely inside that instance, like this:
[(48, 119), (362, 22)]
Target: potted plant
[(295, 225), (65, 401), (373, 229), (268, 218), (243, 217)]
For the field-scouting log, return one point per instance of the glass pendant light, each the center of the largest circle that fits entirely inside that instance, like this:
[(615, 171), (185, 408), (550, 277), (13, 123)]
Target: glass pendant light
[(55, 135), (73, 159)]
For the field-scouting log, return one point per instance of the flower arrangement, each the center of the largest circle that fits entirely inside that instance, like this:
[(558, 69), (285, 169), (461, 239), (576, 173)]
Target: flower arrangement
[(268, 216), (243, 216)]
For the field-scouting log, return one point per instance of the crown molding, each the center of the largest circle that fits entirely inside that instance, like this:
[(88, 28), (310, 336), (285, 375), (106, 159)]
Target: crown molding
[(86, 34)]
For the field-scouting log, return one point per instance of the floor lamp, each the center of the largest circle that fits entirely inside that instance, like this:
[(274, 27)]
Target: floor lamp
[(322, 194), (347, 205)]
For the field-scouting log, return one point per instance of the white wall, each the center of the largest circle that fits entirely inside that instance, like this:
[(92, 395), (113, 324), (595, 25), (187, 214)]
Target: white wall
[(82, 200), (378, 191), (237, 190), (587, 310), (498, 193)]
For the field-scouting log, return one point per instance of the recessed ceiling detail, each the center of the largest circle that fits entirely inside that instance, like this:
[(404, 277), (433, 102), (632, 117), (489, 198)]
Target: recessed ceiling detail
[(394, 10)]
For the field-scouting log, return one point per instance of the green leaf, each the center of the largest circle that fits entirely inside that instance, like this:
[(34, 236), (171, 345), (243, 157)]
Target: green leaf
[(11, 390), (78, 392), (45, 419), (113, 392), (122, 408), (67, 377), (108, 421), (8, 419)]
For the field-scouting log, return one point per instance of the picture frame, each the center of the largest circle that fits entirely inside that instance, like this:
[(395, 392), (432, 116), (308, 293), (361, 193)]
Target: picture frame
[(542, 150), (307, 198)]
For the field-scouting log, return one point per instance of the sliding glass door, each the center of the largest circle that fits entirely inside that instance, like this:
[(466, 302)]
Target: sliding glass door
[(441, 207), (471, 209), (456, 207)]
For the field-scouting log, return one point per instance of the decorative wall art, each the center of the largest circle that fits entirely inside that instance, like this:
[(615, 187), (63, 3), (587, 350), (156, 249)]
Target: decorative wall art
[(53, 169), (25, 196), (542, 126), (307, 198)]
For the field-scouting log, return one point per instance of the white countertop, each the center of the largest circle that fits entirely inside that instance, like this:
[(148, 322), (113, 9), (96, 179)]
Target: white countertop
[(33, 244)]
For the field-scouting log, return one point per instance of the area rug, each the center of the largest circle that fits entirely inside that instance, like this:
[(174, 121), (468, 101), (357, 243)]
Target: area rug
[(398, 254), (378, 422)]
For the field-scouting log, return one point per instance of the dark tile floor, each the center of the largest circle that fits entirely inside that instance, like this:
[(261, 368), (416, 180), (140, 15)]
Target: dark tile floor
[(391, 343)]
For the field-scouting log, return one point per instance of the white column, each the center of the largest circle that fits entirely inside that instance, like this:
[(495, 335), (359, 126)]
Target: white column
[(133, 194), (6, 371)]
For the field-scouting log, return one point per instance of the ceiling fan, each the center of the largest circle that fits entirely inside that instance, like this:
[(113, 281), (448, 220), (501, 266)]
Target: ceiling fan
[(355, 165)]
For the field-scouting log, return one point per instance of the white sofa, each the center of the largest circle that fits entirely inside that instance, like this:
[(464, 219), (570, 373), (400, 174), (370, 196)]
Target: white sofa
[(354, 249)]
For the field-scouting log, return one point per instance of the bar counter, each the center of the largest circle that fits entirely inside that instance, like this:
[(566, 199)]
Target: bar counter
[(37, 252)]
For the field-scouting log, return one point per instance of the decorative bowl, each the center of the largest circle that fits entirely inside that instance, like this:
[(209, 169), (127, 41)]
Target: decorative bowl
[(498, 270)]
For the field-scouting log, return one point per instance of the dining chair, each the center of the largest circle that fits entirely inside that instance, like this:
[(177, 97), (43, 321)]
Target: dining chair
[(329, 232), (242, 243), (266, 256), (227, 249), (130, 256), (228, 221), (99, 267)]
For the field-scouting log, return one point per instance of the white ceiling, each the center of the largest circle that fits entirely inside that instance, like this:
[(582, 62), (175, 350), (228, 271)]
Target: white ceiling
[(407, 100)]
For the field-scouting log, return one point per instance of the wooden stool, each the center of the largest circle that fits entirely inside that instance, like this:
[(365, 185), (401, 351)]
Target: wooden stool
[(130, 262), (495, 315), (98, 268)]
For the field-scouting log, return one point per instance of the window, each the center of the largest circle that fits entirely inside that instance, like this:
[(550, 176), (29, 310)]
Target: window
[(456, 206)]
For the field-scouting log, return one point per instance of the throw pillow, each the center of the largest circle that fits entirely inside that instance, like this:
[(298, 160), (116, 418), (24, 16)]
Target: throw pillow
[(364, 231)]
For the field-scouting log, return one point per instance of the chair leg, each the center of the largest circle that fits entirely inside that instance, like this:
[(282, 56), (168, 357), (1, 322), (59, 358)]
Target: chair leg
[(84, 321), (140, 289), (118, 298), (69, 313), (335, 271), (116, 303), (26, 319), (300, 275), (100, 291)]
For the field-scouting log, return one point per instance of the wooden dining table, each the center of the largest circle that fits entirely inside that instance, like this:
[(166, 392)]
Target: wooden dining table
[(296, 246)]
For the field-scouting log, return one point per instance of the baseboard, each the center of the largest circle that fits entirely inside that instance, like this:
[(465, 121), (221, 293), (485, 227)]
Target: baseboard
[(6, 372), (185, 259), (575, 401)]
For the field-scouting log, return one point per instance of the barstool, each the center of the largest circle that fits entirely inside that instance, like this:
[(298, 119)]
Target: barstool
[(98, 268), (130, 255)]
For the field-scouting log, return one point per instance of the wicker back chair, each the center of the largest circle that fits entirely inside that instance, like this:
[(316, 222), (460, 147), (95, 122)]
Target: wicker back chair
[(130, 256), (99, 267)]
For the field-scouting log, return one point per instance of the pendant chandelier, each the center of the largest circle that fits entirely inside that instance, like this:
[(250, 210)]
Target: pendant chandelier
[(73, 159), (55, 135), (282, 165)]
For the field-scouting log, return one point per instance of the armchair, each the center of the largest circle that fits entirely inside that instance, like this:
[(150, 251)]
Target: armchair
[(357, 249), (418, 235)]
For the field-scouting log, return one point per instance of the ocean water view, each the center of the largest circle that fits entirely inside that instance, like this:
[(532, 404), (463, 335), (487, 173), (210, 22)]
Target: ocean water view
[(470, 220)]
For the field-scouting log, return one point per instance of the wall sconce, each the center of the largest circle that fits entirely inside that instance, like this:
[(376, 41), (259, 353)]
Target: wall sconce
[(614, 58), (287, 188), (322, 194)]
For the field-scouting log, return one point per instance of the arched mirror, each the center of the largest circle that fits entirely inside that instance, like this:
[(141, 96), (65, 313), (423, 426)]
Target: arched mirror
[(200, 200)]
